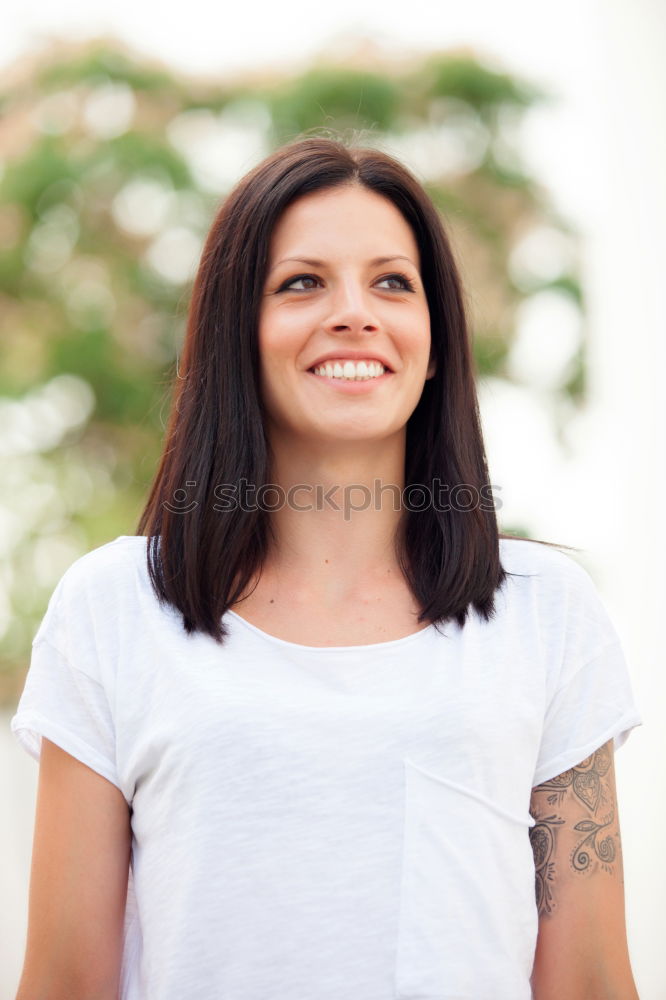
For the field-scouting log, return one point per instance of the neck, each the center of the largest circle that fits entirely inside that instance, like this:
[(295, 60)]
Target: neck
[(338, 512)]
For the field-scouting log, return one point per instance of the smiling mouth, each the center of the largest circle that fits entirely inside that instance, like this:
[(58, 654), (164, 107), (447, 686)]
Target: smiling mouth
[(349, 371)]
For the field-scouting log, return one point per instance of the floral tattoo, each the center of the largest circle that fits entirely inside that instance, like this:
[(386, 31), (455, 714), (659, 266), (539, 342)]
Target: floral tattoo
[(586, 785)]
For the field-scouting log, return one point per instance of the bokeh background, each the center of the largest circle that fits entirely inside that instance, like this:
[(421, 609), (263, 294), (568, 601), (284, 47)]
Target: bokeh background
[(539, 134)]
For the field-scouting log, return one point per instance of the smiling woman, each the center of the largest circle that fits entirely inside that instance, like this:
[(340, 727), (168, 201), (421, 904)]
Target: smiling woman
[(323, 731), (320, 254)]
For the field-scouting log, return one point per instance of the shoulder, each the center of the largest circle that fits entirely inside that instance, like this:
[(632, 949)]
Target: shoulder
[(523, 555), (110, 562), (102, 577), (92, 593), (98, 590), (573, 622), (550, 570)]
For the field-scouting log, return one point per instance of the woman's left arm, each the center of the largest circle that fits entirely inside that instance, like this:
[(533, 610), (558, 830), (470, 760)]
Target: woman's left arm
[(581, 951)]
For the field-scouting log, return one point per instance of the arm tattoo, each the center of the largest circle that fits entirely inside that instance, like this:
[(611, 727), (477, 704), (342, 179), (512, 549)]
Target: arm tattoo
[(585, 796)]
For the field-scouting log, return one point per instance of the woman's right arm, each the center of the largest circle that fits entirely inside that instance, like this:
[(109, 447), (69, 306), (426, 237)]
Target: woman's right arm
[(78, 883)]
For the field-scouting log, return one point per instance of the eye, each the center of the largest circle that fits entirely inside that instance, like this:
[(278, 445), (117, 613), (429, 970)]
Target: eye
[(300, 277), (406, 283)]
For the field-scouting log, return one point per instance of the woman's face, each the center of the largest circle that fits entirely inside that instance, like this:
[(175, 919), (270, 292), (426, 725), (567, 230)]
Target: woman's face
[(343, 282)]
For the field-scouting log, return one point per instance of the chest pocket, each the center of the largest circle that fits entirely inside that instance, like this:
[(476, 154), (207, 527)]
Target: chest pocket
[(468, 919)]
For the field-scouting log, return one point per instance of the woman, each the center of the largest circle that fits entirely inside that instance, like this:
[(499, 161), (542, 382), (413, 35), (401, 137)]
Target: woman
[(339, 725)]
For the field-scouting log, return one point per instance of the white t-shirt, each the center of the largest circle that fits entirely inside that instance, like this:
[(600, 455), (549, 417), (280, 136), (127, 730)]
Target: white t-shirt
[(341, 823)]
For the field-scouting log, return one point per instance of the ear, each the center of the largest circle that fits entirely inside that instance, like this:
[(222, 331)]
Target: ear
[(432, 367)]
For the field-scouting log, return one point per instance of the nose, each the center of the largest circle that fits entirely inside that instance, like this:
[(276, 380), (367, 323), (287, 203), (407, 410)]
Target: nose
[(350, 310)]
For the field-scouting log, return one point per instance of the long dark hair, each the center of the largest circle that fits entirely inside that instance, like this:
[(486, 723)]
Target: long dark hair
[(200, 559)]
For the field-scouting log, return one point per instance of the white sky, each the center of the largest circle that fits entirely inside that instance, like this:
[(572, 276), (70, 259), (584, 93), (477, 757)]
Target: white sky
[(209, 38)]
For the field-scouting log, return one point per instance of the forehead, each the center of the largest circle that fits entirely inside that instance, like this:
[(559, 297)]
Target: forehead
[(339, 220)]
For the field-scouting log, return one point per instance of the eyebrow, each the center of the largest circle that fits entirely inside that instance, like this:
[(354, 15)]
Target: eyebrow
[(320, 263)]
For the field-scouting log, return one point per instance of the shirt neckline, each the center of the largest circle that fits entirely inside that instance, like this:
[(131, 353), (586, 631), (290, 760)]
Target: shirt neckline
[(389, 644)]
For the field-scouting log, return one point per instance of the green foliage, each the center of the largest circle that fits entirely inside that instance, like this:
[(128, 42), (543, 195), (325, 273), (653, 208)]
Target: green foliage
[(569, 285), (489, 354), (26, 180), (101, 62), (464, 77), (11, 269), (576, 384), (336, 97), (146, 154), (121, 397)]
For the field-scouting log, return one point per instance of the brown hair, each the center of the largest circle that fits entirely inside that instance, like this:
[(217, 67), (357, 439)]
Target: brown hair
[(201, 559)]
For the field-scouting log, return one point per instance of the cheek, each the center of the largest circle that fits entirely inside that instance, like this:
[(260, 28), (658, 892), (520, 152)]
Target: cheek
[(425, 318), (416, 331), (277, 352), (279, 336), (266, 335), (425, 328)]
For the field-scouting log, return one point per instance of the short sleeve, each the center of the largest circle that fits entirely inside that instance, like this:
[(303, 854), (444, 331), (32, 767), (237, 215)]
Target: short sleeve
[(590, 699), (64, 698)]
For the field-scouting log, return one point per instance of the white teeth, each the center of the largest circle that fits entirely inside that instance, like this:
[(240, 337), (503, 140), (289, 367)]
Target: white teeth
[(359, 370)]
